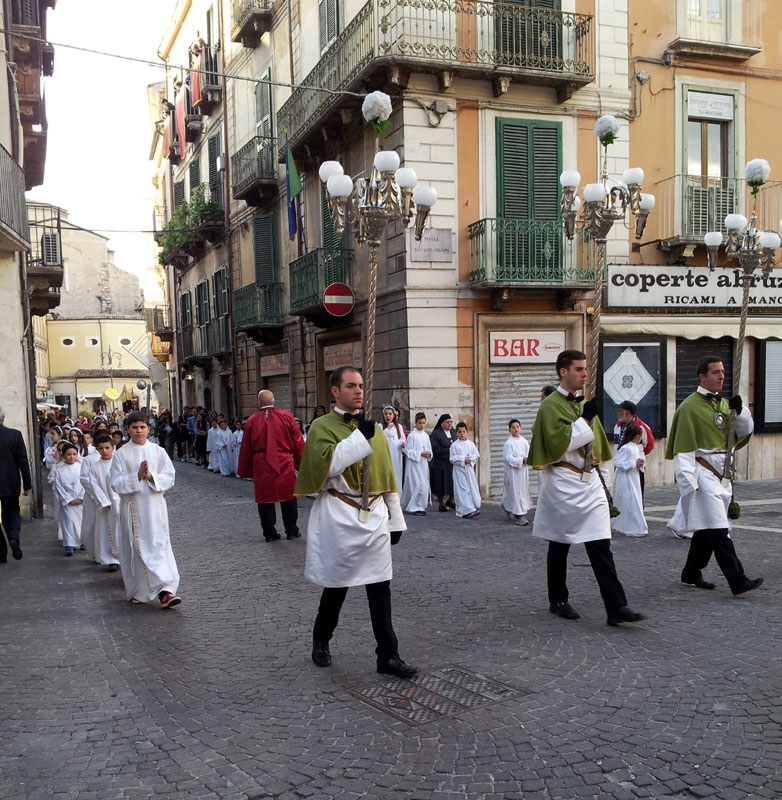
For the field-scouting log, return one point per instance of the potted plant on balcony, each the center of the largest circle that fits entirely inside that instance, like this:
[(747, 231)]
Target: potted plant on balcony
[(176, 238), (206, 216)]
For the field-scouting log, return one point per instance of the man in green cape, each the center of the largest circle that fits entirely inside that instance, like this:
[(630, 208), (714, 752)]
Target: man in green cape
[(572, 504), (344, 549), (697, 444)]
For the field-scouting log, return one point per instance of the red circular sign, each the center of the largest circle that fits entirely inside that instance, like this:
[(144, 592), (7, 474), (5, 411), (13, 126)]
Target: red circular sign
[(338, 299)]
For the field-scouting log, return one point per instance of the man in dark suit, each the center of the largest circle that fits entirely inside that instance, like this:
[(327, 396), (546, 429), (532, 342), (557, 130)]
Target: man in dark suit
[(13, 461)]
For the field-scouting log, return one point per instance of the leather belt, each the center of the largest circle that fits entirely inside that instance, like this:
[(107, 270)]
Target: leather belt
[(568, 465), (705, 464), (348, 500)]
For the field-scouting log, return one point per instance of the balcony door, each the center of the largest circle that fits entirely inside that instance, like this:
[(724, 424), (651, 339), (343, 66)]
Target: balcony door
[(263, 124), (707, 20), (527, 35), (529, 229)]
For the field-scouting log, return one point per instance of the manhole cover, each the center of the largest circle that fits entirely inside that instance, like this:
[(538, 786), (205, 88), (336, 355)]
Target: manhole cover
[(434, 695)]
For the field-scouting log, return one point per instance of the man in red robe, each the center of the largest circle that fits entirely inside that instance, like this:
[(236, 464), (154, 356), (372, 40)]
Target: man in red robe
[(270, 454)]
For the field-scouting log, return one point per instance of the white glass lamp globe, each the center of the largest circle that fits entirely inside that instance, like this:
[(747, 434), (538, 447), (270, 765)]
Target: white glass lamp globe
[(633, 176), (387, 161), (647, 201), (570, 178), (329, 168), (770, 240), (340, 185), (576, 204), (713, 239), (424, 196), (594, 193), (735, 222), (406, 177)]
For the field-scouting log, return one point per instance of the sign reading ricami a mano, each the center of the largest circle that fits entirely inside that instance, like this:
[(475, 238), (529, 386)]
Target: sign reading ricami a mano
[(641, 286)]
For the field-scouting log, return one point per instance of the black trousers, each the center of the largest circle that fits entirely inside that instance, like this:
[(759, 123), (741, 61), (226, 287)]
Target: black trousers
[(642, 476), (602, 560), (379, 598), (717, 541), (268, 514), (12, 522)]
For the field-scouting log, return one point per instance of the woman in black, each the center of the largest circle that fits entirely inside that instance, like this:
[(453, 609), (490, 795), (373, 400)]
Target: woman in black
[(440, 467)]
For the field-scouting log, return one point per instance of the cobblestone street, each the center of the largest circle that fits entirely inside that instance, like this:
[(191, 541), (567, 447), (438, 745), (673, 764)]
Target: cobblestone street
[(219, 698)]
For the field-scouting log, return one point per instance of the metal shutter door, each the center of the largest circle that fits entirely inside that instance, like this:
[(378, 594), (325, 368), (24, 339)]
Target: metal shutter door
[(514, 393), (690, 351), (281, 386)]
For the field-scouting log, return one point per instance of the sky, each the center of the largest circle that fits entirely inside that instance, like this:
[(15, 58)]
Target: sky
[(100, 132)]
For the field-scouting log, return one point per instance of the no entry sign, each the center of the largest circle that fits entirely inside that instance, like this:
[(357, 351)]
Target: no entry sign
[(338, 299)]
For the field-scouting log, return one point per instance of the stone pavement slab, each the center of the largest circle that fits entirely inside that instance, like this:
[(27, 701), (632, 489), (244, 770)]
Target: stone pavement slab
[(218, 698)]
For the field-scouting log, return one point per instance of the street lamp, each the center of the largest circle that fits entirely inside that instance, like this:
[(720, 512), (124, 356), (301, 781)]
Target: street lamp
[(108, 358)]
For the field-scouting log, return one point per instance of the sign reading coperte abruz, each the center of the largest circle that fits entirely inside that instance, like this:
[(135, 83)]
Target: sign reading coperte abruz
[(643, 286)]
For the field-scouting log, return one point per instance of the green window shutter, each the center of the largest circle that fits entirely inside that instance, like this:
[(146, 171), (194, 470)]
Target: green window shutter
[(331, 241), (215, 184), (328, 12), (216, 293), (513, 199), (194, 173), (179, 193), (223, 291), (185, 312), (265, 249), (263, 106), (546, 169)]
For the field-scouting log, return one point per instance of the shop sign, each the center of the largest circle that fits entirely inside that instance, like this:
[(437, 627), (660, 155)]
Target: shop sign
[(436, 245), (347, 354), (640, 286), (276, 364), (525, 347), (709, 106)]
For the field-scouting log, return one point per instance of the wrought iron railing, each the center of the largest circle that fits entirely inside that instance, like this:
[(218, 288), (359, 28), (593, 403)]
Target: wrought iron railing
[(184, 343), (312, 273), (528, 251), (45, 236), (241, 10), (256, 160), (689, 206), (219, 335), (210, 65), (457, 35), (258, 304), (13, 209)]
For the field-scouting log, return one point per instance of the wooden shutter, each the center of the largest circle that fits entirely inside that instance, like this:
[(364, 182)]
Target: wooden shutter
[(263, 106), (265, 250), (185, 310), (179, 193), (215, 183), (216, 295), (328, 12), (194, 174), (202, 302), (331, 241)]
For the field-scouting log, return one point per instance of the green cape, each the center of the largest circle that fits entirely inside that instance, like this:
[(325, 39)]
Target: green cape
[(324, 435), (693, 427), (551, 434)]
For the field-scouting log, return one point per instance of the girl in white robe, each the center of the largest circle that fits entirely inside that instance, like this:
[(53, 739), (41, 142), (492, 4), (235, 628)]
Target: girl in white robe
[(107, 511), (141, 473), (464, 455), (222, 453), (416, 494), (90, 506), (69, 493), (236, 445), (211, 447), (51, 460), (515, 490), (395, 434), (627, 485)]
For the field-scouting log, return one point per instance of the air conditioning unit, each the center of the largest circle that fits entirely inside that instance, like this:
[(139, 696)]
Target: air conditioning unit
[(51, 256)]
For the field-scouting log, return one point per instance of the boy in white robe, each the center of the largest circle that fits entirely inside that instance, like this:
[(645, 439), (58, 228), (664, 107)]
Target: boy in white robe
[(627, 485), (211, 446), (236, 445), (51, 460), (107, 501), (464, 455), (140, 473), (515, 489), (69, 493), (222, 453), (417, 494), (90, 506)]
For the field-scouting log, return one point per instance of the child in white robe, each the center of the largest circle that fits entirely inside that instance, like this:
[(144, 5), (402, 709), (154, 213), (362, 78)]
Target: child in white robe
[(107, 502), (627, 485), (395, 434), (69, 493), (211, 447), (90, 506), (236, 445), (416, 494), (222, 452), (141, 473), (515, 489), (51, 459), (464, 455)]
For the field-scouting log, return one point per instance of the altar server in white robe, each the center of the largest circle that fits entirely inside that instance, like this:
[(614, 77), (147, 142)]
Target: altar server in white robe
[(464, 456), (515, 489), (141, 473), (395, 434), (107, 500), (52, 460), (627, 485), (236, 445), (69, 494), (223, 453), (417, 494), (211, 447), (91, 504)]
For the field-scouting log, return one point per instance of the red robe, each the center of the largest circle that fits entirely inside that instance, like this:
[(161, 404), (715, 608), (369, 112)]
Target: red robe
[(271, 453)]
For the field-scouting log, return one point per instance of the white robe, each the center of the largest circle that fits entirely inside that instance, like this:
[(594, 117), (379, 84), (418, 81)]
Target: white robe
[(704, 500), (627, 492), (51, 464), (143, 543), (106, 514), (67, 487), (465, 485), (515, 487), (570, 510), (90, 505), (236, 446), (341, 550), (417, 493), (678, 524), (396, 444), (211, 446), (222, 453)]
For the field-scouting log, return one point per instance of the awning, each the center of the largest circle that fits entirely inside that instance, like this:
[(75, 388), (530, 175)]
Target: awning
[(689, 327)]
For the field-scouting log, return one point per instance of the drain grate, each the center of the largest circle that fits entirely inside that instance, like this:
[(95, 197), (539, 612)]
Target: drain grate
[(434, 695)]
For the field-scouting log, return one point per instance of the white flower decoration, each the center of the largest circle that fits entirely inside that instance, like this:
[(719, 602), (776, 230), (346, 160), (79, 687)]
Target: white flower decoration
[(757, 171), (607, 129), (376, 109)]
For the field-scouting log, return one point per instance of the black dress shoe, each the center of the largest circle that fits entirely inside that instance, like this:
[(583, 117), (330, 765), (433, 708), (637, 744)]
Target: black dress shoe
[(275, 538), (564, 610), (296, 535), (749, 585), (395, 666), (624, 614), (321, 657), (699, 583), (450, 504), (442, 508), (15, 549)]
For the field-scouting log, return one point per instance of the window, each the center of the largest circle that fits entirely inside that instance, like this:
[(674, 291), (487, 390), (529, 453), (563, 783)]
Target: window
[(634, 369), (329, 22), (265, 249), (690, 351), (263, 125), (220, 292), (215, 178), (707, 20), (125, 341), (202, 303), (768, 387), (194, 174), (66, 341), (526, 38), (179, 193), (91, 341), (185, 310)]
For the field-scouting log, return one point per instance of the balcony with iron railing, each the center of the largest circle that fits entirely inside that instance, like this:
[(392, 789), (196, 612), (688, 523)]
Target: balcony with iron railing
[(14, 225), (159, 322), (254, 171), (258, 310), (158, 221), (251, 19), (480, 39), (193, 345), (309, 277), (205, 81), (689, 206), (529, 253)]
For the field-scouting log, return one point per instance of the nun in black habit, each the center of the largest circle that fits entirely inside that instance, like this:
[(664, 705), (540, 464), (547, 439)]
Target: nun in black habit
[(440, 467)]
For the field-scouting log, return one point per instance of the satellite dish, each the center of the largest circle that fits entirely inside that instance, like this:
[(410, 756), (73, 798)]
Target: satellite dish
[(112, 393), (142, 384), (157, 386)]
